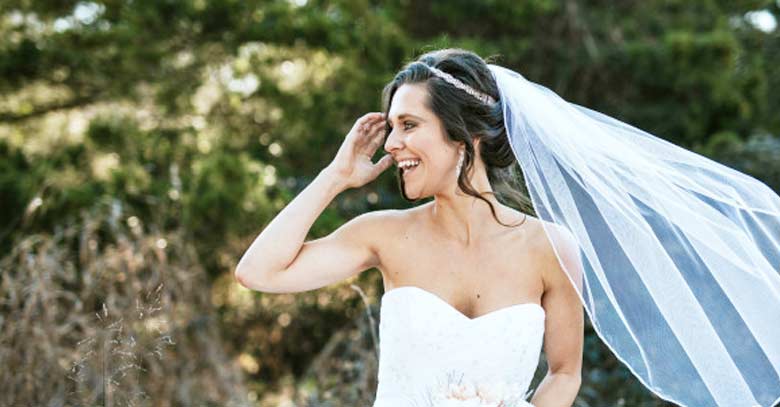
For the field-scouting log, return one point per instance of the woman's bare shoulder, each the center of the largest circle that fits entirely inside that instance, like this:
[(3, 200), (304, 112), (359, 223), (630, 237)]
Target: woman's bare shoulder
[(560, 249), (553, 234), (384, 221)]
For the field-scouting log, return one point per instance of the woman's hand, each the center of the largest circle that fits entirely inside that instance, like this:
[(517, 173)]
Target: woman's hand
[(352, 164)]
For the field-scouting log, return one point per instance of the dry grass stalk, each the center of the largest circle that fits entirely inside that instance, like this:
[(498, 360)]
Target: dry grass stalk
[(103, 312)]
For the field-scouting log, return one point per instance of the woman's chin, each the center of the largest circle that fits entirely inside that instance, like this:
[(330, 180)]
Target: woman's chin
[(415, 193), (410, 184)]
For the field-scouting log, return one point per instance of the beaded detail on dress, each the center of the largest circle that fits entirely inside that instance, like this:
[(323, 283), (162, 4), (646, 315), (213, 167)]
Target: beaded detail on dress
[(426, 344)]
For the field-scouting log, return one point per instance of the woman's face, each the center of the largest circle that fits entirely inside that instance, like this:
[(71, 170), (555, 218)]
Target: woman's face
[(418, 134)]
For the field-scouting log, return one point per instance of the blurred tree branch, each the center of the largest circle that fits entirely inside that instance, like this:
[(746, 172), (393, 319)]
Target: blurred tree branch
[(76, 102)]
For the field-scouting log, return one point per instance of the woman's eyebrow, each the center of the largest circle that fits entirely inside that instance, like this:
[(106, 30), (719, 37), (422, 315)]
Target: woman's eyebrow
[(402, 115)]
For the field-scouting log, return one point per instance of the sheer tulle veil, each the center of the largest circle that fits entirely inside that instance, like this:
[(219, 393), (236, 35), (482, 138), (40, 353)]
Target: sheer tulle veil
[(680, 255)]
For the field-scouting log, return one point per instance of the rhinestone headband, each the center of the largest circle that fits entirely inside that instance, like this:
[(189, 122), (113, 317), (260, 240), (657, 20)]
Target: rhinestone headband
[(487, 99)]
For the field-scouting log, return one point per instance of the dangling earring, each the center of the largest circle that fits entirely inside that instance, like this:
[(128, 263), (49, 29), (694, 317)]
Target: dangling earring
[(460, 164)]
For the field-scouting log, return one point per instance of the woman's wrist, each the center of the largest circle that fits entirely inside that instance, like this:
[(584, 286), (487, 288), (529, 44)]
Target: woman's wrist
[(334, 182)]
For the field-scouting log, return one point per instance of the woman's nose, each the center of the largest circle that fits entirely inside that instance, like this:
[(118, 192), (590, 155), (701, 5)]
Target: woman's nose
[(393, 142)]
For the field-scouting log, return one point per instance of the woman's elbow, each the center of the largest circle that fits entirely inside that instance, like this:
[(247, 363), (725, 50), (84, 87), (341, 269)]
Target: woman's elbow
[(573, 382), (569, 381), (240, 278), (247, 276)]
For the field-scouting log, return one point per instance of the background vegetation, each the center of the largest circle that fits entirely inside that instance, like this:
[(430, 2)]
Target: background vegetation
[(145, 143)]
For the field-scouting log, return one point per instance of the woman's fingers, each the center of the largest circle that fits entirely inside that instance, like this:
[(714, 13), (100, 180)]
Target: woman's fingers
[(368, 130), (370, 118), (383, 164), (377, 136), (371, 138), (363, 124)]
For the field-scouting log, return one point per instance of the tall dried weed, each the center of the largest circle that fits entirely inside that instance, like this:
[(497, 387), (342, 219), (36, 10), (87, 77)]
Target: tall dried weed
[(108, 311)]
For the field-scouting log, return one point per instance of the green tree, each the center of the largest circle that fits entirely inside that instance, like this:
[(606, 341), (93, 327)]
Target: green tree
[(206, 117)]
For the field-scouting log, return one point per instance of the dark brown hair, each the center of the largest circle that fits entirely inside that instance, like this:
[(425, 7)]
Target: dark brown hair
[(464, 118)]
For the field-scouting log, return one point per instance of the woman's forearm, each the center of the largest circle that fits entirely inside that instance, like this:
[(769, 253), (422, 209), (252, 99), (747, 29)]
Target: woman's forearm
[(557, 390), (279, 242)]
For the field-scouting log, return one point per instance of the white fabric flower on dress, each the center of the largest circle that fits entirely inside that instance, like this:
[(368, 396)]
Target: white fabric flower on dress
[(472, 402), (497, 394)]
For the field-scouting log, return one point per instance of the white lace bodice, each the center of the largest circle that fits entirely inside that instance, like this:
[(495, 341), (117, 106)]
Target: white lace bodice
[(426, 345)]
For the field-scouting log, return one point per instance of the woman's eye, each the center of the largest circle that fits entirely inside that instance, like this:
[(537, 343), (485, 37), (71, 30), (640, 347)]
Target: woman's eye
[(411, 124)]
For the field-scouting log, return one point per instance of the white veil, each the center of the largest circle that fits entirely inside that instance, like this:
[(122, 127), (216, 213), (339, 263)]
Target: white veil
[(680, 254)]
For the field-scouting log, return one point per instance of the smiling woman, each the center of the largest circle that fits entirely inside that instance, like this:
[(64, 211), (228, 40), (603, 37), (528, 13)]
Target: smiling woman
[(451, 146)]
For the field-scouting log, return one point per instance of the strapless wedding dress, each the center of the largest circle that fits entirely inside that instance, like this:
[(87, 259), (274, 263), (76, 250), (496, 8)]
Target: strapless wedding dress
[(429, 349)]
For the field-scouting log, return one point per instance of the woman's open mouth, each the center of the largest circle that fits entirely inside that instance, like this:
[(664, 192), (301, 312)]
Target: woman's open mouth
[(406, 172)]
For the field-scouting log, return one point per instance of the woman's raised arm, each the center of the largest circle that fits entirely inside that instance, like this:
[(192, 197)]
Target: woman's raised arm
[(279, 260)]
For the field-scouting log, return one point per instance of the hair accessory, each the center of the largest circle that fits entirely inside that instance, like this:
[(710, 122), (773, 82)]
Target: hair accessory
[(460, 85)]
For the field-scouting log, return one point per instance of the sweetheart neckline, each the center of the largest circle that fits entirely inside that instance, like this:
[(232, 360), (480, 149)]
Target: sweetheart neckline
[(457, 311)]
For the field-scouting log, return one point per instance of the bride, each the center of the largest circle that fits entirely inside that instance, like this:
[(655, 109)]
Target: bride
[(474, 288)]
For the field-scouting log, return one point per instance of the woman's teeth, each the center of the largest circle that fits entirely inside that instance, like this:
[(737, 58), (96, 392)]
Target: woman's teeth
[(409, 165)]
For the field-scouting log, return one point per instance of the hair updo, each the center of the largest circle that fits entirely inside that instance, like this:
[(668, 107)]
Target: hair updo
[(465, 118)]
